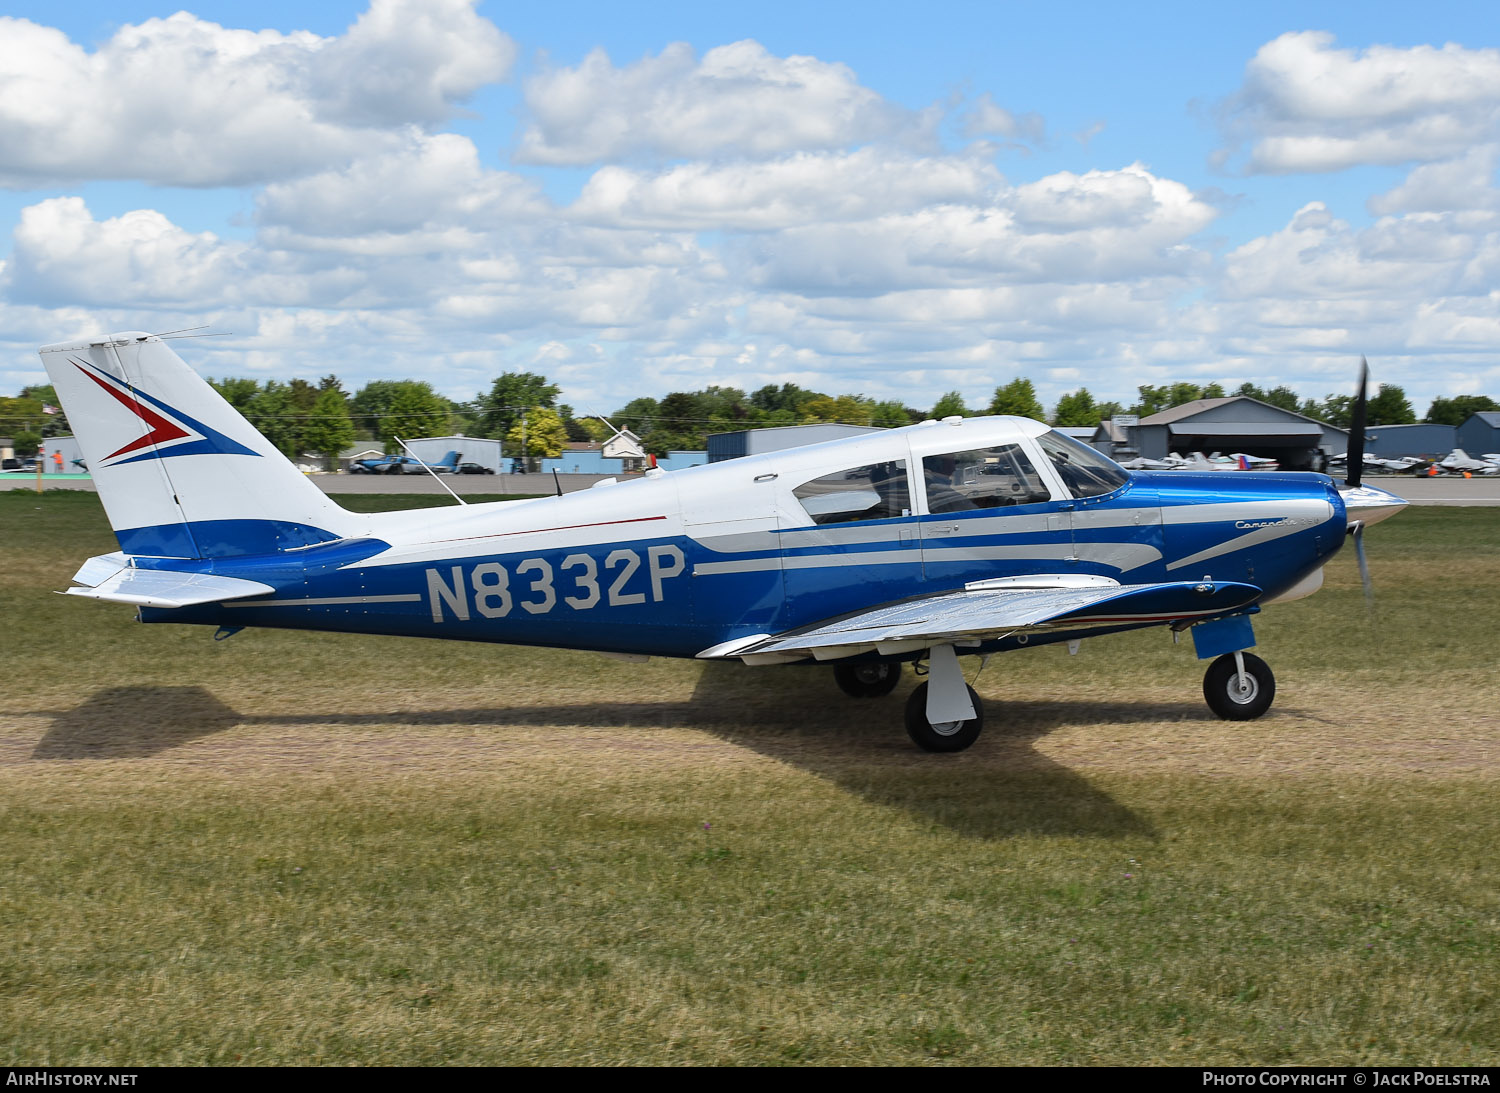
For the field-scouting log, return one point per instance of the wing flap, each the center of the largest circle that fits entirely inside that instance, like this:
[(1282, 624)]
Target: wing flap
[(982, 613), (164, 588)]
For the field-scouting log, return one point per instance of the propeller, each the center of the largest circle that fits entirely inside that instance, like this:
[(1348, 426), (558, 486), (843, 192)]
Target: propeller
[(1364, 504), (1357, 531), (1354, 465)]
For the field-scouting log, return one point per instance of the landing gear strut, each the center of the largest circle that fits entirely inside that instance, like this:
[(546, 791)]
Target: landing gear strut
[(944, 714), (941, 735), (1239, 686), (871, 679)]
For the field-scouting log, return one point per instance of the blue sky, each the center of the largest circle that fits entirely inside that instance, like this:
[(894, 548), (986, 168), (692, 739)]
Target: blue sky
[(941, 196)]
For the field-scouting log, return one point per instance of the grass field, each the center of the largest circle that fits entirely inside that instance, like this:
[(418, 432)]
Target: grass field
[(299, 848)]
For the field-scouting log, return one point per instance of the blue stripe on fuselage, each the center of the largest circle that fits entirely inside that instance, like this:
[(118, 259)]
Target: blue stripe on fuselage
[(628, 597)]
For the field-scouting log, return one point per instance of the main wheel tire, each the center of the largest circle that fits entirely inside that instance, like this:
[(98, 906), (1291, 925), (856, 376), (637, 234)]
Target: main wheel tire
[(948, 736), (1221, 687), (871, 679)]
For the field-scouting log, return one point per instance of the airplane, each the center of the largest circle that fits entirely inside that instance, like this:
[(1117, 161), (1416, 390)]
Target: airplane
[(916, 545), (1458, 461), (404, 464), (1406, 464)]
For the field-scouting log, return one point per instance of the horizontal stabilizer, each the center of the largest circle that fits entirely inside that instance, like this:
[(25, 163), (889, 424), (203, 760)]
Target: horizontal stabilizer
[(984, 613), (164, 588)]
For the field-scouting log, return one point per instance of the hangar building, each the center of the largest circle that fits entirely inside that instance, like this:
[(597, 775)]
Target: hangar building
[(1395, 441), (471, 449), (722, 446), (1480, 434), (1237, 423)]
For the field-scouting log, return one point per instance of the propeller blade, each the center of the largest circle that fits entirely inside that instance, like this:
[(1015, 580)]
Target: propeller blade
[(1355, 465), (1358, 531)]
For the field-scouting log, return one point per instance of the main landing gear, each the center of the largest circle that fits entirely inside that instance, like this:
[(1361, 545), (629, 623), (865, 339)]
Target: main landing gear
[(954, 735), (1239, 686), (868, 679), (943, 714)]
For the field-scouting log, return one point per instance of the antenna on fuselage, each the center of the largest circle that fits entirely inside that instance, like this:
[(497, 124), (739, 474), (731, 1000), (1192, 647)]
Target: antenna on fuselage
[(430, 471), (556, 482)]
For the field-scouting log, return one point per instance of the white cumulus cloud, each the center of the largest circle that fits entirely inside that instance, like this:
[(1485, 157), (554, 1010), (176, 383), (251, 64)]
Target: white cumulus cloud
[(797, 189), (1308, 106), (61, 254), (429, 183), (183, 101), (739, 100)]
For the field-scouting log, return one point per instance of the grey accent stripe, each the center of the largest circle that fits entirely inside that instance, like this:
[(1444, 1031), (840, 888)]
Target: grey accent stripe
[(1122, 556)]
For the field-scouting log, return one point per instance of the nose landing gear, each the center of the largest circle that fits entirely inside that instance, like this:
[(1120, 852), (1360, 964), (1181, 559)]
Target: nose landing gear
[(1239, 686)]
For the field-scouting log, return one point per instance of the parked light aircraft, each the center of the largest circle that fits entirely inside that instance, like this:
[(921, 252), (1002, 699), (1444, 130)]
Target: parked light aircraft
[(1458, 461), (915, 545)]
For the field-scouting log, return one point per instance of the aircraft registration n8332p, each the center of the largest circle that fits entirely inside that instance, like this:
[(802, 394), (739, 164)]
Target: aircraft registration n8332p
[(917, 545)]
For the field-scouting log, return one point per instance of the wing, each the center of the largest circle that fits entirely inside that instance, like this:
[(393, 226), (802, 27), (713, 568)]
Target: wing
[(992, 609), (110, 577)]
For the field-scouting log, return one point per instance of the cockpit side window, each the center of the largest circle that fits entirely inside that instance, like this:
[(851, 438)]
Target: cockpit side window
[(1084, 471), (984, 478), (876, 491)]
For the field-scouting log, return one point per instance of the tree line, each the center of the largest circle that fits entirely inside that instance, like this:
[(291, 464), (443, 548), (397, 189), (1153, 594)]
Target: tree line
[(323, 418)]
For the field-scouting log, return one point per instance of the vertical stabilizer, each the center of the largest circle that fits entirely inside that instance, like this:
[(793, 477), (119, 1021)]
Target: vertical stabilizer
[(180, 472)]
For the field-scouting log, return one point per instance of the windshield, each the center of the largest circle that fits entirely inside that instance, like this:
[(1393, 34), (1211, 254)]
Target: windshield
[(1084, 471)]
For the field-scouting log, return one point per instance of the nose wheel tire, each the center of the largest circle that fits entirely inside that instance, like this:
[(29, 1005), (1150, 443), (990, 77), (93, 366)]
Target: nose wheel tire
[(1235, 699), (946, 735), (872, 679)]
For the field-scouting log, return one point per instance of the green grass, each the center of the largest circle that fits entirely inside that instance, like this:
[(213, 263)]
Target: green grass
[(290, 848)]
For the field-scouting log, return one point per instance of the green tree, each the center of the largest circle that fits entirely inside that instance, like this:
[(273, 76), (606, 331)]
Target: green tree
[(595, 428), (786, 399), (1390, 406), (1153, 400), (889, 415), (1077, 409), (950, 405), (236, 391), (415, 410), (1458, 409), (1336, 410), (328, 429), (53, 424), (638, 415), (1018, 397), (26, 442), (544, 434), (844, 409), (272, 413), (511, 393)]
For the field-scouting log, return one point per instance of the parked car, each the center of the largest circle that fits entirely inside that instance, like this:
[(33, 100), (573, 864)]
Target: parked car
[(473, 468)]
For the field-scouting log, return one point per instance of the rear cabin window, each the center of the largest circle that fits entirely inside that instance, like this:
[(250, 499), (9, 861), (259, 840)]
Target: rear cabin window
[(984, 478), (877, 491), (1084, 471)]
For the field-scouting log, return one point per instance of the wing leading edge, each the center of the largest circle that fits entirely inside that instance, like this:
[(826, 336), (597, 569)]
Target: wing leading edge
[(992, 609)]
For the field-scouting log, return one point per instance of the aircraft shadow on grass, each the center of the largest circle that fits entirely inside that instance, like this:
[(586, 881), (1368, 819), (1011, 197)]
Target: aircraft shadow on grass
[(1001, 787), (134, 723)]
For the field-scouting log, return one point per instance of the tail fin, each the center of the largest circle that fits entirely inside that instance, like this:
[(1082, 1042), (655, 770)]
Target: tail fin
[(180, 472)]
